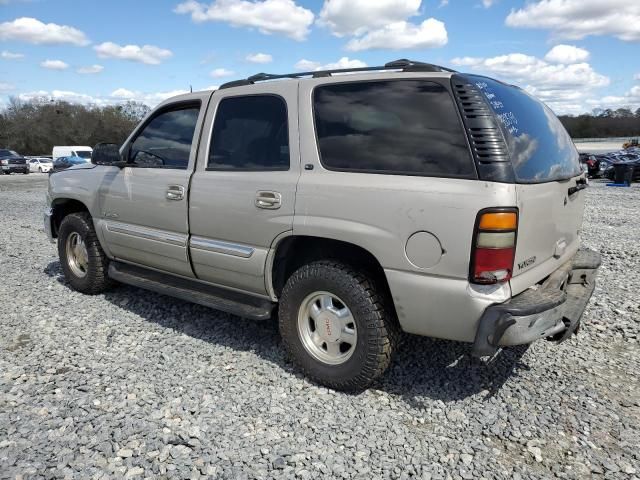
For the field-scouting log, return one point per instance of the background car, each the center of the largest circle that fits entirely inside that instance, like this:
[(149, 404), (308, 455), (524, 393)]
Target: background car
[(63, 163), (12, 162), (72, 151), (40, 164)]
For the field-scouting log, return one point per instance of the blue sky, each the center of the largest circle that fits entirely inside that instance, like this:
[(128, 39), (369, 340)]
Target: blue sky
[(574, 54)]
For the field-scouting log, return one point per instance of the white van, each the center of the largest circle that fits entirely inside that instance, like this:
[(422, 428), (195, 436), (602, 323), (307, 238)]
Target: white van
[(72, 151)]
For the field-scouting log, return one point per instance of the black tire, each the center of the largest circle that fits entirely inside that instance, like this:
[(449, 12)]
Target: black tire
[(377, 328), (26, 172), (95, 280)]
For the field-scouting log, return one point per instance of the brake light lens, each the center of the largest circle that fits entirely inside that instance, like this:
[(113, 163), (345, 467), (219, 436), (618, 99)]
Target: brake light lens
[(494, 246)]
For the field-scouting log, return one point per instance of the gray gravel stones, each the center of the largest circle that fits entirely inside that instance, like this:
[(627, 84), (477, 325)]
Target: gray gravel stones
[(131, 384)]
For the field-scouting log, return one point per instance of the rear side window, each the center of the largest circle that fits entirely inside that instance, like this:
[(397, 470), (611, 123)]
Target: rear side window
[(406, 127), (541, 150), (250, 133), (165, 142)]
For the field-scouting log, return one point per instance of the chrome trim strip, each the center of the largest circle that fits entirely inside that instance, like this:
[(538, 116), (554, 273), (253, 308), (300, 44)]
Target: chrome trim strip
[(218, 246), (148, 233)]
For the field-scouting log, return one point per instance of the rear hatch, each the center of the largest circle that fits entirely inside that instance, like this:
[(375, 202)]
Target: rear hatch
[(549, 182)]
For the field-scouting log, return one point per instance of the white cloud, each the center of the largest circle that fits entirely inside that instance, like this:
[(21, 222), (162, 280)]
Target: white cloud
[(221, 72), (54, 65), (123, 94), (355, 17), (564, 87), (118, 96), (630, 99), (402, 35), (32, 30), (259, 58), (7, 55), (636, 76), (566, 54), (6, 87), (576, 19), (90, 69), (62, 95), (151, 99), (148, 54), (488, 3), (283, 17), (344, 62)]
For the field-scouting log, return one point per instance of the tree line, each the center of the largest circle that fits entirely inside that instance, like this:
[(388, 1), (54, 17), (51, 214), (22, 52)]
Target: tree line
[(603, 123), (33, 127)]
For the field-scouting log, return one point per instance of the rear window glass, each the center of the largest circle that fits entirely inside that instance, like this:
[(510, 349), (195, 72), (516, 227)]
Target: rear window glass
[(407, 127), (541, 149)]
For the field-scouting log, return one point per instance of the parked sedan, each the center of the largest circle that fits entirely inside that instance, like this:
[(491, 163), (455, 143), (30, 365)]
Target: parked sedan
[(40, 164), (63, 163), (12, 162)]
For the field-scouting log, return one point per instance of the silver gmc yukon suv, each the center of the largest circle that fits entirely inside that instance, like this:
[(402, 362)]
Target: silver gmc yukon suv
[(354, 203)]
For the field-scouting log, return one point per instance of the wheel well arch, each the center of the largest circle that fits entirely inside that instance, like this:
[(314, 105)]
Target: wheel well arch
[(61, 207), (295, 251)]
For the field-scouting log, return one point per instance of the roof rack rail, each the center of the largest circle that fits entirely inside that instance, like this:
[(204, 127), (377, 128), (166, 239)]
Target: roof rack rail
[(401, 64)]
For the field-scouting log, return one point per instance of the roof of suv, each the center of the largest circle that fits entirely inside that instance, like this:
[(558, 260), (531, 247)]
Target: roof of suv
[(396, 66), (401, 65)]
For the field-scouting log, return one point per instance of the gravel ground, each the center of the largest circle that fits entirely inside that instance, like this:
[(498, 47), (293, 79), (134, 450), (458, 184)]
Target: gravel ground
[(134, 384)]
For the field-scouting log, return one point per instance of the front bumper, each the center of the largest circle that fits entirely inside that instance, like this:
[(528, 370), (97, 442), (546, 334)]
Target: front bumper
[(553, 310)]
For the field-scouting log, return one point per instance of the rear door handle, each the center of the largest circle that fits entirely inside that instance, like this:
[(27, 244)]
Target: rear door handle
[(175, 192), (268, 200)]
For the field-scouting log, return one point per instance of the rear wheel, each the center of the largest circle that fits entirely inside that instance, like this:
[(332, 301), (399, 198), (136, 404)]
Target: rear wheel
[(84, 263), (336, 325)]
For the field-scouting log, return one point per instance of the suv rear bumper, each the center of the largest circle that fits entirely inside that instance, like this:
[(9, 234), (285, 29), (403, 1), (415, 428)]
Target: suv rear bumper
[(15, 168), (553, 310)]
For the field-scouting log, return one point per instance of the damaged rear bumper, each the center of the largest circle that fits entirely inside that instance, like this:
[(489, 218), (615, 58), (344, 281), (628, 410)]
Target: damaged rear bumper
[(553, 310)]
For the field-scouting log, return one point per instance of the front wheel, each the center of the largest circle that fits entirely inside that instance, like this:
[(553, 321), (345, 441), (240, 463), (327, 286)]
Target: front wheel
[(337, 325), (84, 263)]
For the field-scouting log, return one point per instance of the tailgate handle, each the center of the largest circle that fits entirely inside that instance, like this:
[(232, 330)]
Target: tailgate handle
[(580, 185)]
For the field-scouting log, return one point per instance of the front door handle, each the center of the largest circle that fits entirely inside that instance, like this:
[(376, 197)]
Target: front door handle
[(268, 200), (175, 192)]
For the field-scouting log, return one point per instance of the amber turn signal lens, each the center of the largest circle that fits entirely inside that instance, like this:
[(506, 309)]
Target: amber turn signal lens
[(498, 221)]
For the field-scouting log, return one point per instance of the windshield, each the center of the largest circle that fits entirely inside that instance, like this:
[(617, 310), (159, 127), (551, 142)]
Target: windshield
[(8, 153), (541, 149), (84, 153), (76, 160)]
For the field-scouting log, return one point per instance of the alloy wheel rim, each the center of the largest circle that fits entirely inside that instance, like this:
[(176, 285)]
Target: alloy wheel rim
[(327, 328), (77, 255)]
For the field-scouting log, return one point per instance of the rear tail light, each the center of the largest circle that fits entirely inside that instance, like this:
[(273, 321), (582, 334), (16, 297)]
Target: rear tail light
[(494, 245)]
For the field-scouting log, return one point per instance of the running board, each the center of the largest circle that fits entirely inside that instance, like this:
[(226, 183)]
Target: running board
[(229, 301)]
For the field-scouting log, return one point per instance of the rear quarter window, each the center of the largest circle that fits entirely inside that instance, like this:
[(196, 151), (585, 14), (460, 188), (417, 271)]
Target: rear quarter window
[(541, 150), (405, 127)]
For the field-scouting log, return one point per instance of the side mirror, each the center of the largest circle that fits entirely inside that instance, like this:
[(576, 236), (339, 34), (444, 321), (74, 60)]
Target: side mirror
[(107, 154)]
